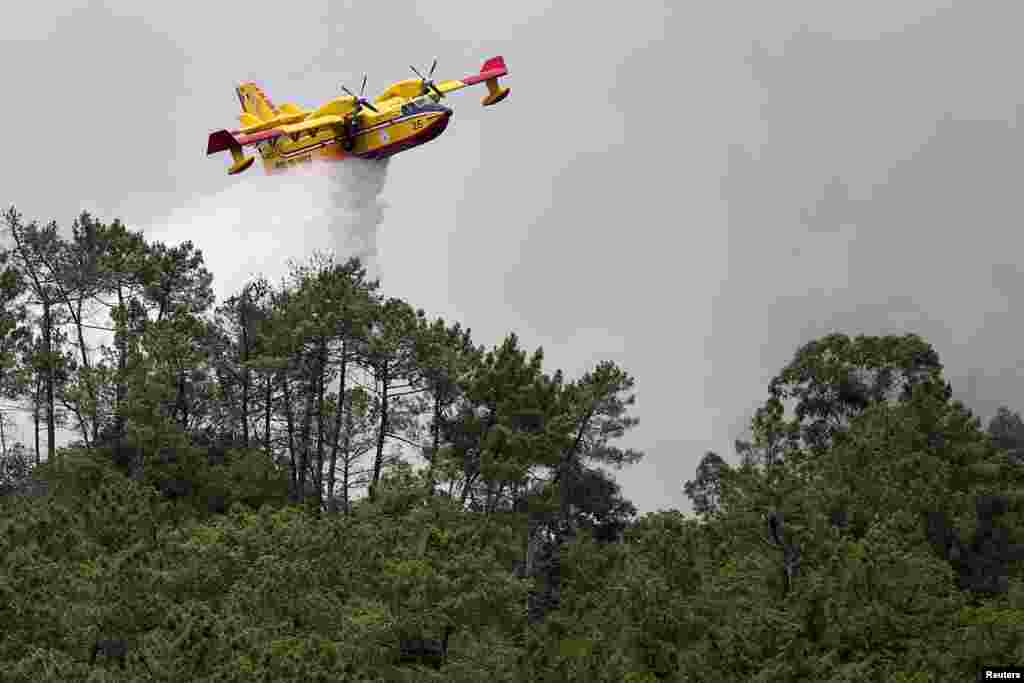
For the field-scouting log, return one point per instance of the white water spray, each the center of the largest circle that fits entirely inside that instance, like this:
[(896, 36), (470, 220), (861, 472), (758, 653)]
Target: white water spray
[(355, 193), (261, 223)]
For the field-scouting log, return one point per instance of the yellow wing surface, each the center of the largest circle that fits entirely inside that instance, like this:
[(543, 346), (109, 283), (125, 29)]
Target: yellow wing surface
[(490, 72)]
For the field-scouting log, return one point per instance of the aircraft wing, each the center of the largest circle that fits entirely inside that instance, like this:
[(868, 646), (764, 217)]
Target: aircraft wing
[(224, 140), (489, 73), (449, 86), (308, 124)]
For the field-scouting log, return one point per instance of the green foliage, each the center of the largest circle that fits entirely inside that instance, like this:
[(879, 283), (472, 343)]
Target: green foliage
[(250, 478), (1007, 431), (835, 378), (705, 491), (195, 523), (253, 594)]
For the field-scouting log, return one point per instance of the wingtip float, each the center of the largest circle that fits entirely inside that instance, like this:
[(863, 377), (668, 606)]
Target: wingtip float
[(407, 114)]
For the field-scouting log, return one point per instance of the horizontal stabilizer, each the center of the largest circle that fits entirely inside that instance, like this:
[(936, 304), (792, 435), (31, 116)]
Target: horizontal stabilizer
[(223, 140), (241, 163), (220, 141)]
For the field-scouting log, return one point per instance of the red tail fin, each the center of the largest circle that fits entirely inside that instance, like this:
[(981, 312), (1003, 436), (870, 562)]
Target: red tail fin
[(492, 68), (495, 63)]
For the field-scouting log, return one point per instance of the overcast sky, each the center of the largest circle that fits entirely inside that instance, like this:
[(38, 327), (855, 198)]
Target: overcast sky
[(689, 189)]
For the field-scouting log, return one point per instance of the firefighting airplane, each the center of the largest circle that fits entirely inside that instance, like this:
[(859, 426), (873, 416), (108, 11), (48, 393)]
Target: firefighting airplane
[(406, 115)]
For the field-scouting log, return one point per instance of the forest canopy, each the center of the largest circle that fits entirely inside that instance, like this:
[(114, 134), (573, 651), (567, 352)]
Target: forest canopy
[(310, 481)]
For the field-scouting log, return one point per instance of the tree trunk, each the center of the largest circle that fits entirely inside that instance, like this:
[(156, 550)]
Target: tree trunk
[(565, 470), (290, 421), (436, 428), (51, 432), (43, 291), (307, 424), (336, 438), (499, 493), (488, 497), (121, 335), (81, 422), (378, 461), (244, 357), (467, 487), (321, 375), (468, 463), (267, 405), (75, 311), (35, 413), (181, 401), (347, 458)]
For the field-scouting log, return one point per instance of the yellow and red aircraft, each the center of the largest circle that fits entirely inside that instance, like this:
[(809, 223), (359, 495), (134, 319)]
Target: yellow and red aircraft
[(406, 115)]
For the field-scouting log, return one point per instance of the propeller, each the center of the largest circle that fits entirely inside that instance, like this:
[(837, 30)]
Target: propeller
[(428, 84), (360, 100)]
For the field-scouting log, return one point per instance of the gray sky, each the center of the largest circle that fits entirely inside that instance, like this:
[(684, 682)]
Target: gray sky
[(689, 189)]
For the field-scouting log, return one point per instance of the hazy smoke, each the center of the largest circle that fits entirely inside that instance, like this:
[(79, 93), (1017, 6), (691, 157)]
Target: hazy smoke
[(258, 224)]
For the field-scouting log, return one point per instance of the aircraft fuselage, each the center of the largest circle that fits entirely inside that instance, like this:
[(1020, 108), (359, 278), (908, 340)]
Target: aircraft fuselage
[(371, 136)]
